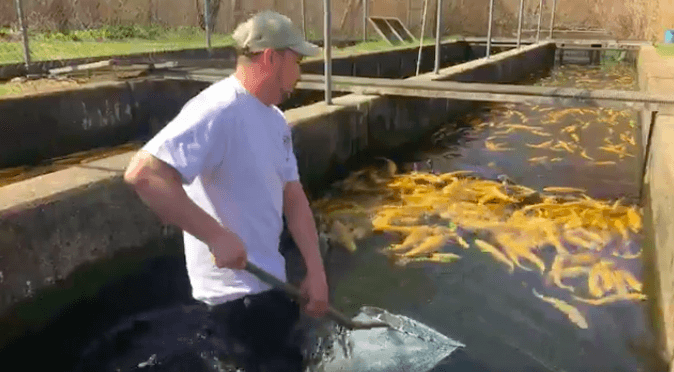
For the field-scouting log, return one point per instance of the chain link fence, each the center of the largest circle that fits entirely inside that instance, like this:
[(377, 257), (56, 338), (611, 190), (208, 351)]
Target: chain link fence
[(65, 29)]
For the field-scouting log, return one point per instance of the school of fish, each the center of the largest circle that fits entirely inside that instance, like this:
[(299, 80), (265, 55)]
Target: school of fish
[(511, 223)]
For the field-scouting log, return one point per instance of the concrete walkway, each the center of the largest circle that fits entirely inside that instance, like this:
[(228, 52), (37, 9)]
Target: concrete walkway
[(656, 75)]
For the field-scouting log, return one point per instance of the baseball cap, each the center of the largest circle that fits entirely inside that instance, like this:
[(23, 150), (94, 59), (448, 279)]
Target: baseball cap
[(272, 30)]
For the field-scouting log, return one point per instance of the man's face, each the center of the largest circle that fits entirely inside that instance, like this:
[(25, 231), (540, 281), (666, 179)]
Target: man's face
[(287, 72)]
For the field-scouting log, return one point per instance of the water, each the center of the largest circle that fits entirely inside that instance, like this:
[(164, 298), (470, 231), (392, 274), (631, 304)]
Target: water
[(473, 300)]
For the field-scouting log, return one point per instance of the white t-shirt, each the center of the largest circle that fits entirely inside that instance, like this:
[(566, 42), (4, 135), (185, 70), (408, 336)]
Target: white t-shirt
[(235, 155)]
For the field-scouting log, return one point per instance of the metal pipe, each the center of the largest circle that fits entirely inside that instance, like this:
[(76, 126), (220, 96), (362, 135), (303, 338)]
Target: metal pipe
[(552, 18), (421, 38), (519, 27), (491, 20), (409, 14), (207, 22), (327, 51), (304, 18), (365, 15), (438, 36), (540, 19), (24, 32)]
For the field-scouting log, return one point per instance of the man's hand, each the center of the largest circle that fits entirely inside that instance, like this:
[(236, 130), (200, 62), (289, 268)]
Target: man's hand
[(228, 250), (315, 289)]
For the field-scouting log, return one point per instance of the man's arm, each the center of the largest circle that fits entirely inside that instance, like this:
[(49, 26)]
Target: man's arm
[(159, 186), (303, 230)]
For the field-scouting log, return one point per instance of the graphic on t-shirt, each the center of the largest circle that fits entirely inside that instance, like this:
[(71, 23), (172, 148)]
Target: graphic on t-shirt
[(286, 142)]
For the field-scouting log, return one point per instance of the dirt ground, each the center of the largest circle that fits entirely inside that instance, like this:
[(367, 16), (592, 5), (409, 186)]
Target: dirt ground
[(22, 86)]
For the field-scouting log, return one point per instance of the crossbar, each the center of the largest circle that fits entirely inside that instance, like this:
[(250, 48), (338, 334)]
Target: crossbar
[(464, 91)]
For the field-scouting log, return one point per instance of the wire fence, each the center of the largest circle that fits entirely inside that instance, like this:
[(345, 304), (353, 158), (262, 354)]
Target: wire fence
[(64, 29)]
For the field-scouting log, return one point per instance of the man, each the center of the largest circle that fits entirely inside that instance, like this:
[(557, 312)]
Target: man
[(223, 170)]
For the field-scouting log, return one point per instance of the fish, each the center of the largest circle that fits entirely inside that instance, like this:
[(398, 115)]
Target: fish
[(343, 236), (566, 146), (585, 155), (418, 234), (613, 298), (563, 189), (488, 248), (631, 281), (570, 129), (435, 257), (556, 272), (542, 145), (430, 244), (627, 256), (491, 146), (541, 133), (570, 311), (633, 220), (609, 162), (539, 159)]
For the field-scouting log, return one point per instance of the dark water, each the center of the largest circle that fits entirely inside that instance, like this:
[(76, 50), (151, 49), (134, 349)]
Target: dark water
[(473, 300)]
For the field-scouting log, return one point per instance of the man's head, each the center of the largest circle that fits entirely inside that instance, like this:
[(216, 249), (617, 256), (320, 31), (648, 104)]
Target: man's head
[(270, 49)]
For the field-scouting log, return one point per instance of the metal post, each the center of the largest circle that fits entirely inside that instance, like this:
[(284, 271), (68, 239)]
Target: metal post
[(519, 27), (24, 32), (421, 38), (491, 20), (438, 36), (304, 18), (365, 15), (327, 50), (552, 18), (540, 19), (409, 14), (207, 22)]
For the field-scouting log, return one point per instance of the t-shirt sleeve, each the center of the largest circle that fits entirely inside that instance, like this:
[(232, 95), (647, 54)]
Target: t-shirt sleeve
[(290, 171), (191, 143)]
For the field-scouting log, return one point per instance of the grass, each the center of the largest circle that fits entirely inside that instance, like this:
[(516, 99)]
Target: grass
[(121, 41), (666, 50), (107, 41), (132, 39)]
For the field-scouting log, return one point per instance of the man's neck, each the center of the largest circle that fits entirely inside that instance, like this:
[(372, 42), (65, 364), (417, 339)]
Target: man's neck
[(249, 79)]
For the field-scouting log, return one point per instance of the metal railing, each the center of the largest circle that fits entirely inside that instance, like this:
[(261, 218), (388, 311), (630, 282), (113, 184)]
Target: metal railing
[(69, 28)]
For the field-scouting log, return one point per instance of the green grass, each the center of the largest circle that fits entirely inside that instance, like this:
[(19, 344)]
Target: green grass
[(666, 50), (132, 39), (108, 41)]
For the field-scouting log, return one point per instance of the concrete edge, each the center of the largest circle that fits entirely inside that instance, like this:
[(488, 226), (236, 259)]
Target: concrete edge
[(448, 72), (656, 75), (39, 189), (57, 185)]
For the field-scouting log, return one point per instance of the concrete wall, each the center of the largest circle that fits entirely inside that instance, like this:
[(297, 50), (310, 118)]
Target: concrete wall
[(47, 125), (656, 75), (225, 55), (53, 225), (504, 67)]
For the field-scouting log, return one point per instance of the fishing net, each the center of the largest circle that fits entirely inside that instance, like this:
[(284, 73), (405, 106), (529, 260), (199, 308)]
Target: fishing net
[(407, 346)]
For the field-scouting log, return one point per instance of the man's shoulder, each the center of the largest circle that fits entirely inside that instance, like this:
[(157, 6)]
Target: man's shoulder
[(218, 99)]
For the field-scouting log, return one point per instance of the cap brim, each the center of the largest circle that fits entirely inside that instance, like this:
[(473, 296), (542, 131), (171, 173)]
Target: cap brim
[(306, 49)]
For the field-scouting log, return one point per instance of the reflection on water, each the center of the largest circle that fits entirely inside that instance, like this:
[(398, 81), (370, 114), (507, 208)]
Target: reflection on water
[(520, 320)]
